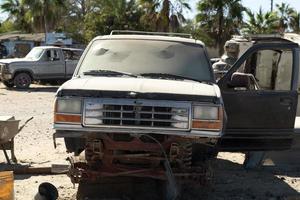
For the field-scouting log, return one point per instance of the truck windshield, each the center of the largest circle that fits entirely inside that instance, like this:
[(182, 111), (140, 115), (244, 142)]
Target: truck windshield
[(148, 56), (35, 53)]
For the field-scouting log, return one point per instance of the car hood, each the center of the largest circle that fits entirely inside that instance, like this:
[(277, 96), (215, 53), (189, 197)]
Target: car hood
[(15, 60), (142, 85)]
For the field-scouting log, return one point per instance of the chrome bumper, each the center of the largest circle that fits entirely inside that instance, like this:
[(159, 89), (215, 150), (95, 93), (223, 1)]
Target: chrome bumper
[(79, 131), (4, 77)]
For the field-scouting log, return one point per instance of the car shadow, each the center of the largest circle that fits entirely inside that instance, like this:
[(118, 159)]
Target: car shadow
[(52, 89), (232, 181)]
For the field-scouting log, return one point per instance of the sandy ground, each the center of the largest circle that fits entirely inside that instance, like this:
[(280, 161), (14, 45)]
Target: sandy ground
[(34, 146)]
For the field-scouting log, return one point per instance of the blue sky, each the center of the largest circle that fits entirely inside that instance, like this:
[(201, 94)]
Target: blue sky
[(254, 5)]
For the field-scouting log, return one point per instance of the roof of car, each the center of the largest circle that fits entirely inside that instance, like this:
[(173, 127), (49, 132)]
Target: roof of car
[(151, 37), (55, 47), (73, 49), (48, 47)]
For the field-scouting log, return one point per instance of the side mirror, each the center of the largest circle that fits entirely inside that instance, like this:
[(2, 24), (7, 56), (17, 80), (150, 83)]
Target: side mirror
[(240, 80)]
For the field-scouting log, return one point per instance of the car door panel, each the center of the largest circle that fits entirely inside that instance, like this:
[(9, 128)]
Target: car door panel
[(275, 114), (51, 69), (70, 67), (260, 119)]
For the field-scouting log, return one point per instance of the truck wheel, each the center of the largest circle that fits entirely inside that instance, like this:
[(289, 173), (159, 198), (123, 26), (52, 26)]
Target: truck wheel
[(22, 80), (8, 84)]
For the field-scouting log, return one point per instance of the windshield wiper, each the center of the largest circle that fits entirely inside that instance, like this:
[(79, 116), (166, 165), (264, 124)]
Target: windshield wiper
[(167, 76), (102, 72)]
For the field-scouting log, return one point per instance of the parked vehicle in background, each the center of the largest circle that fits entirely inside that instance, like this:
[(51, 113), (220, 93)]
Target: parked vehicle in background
[(41, 63), (233, 49)]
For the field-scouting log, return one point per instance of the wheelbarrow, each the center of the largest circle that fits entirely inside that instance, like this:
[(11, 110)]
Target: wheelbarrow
[(9, 128)]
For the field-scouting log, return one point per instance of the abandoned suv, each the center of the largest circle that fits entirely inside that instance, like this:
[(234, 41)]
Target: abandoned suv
[(149, 106), (136, 101)]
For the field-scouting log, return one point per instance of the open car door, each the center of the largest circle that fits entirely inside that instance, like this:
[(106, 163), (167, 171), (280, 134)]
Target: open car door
[(260, 97)]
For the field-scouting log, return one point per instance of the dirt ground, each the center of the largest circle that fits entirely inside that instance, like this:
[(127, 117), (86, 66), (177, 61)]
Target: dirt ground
[(34, 146)]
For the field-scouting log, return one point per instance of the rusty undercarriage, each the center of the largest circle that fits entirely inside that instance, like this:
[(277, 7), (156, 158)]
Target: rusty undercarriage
[(146, 156)]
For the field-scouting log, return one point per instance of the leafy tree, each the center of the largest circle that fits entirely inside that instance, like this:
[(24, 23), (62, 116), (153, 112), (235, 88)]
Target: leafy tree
[(163, 15), (220, 18), (44, 14), (261, 23), (109, 15), (190, 27), (79, 8), (295, 22), (284, 13), (7, 26), (74, 22), (16, 13)]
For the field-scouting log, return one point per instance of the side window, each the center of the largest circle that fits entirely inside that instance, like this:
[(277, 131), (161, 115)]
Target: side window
[(67, 54), (269, 69), (52, 55), (77, 55), (71, 55)]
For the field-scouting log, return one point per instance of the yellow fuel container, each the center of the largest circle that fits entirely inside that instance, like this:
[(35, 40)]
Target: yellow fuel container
[(6, 185)]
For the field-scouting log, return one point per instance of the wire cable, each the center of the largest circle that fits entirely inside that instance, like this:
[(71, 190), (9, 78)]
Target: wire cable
[(169, 172)]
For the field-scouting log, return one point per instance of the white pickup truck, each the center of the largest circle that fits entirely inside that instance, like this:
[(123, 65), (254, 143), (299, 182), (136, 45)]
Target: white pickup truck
[(41, 63)]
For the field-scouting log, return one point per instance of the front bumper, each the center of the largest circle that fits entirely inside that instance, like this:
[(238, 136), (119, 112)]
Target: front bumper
[(67, 130), (5, 77)]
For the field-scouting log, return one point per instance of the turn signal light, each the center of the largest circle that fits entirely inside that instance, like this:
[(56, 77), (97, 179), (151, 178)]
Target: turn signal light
[(65, 118), (207, 125), (212, 124)]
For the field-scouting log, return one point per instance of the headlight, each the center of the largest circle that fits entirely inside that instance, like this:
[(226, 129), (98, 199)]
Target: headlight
[(68, 111), (5, 69), (94, 113), (72, 106), (207, 117), (205, 112), (180, 115)]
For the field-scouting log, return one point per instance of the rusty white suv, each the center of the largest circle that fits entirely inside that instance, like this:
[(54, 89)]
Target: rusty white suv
[(137, 102)]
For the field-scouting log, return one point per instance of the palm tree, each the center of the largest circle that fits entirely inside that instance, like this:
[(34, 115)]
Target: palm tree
[(120, 14), (261, 23), (163, 15), (16, 12), (149, 16), (295, 21), (45, 14), (220, 18), (284, 12), (107, 15)]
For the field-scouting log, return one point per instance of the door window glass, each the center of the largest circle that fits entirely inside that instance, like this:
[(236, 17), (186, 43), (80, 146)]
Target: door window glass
[(52, 55), (269, 69), (71, 55)]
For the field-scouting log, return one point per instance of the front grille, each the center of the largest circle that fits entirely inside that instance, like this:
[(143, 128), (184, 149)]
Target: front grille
[(136, 113)]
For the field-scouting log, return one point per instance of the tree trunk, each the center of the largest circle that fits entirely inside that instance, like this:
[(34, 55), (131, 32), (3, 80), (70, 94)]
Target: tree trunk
[(83, 8), (220, 31), (163, 20), (45, 19)]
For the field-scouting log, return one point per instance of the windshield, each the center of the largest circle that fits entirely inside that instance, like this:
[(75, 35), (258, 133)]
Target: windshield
[(35, 53), (148, 56)]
